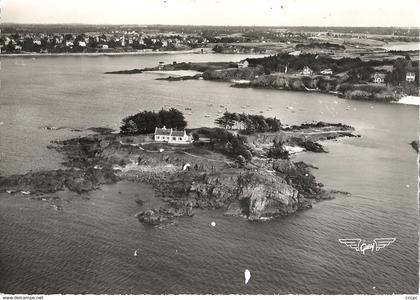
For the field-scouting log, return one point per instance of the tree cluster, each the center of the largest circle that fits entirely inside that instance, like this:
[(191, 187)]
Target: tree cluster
[(248, 124), (227, 143), (400, 68), (146, 121), (361, 74)]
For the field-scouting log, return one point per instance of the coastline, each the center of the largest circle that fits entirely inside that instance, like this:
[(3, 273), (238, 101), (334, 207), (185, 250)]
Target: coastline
[(192, 51)]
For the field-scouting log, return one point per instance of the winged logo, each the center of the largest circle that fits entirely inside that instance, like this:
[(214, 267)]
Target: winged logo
[(352, 243), (383, 242), (362, 246)]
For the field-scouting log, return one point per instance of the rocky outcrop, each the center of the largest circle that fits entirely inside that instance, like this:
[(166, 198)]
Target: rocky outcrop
[(415, 145), (180, 78), (258, 193), (306, 144), (133, 71), (319, 125), (155, 217), (263, 195), (305, 136), (78, 181)]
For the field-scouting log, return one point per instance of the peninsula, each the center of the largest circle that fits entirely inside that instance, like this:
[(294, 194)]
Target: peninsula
[(387, 79)]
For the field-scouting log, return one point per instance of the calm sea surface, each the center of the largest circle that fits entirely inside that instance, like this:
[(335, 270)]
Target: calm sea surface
[(88, 247)]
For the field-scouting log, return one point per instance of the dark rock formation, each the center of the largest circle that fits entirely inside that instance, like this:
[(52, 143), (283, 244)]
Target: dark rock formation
[(319, 125), (415, 145), (307, 144), (133, 71), (155, 217), (180, 78), (263, 195), (78, 181)]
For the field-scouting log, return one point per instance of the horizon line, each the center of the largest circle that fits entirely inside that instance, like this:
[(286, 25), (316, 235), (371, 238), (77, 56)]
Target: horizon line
[(211, 25)]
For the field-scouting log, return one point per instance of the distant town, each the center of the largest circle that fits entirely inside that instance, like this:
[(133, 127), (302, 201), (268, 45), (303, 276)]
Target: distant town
[(91, 42), (26, 39)]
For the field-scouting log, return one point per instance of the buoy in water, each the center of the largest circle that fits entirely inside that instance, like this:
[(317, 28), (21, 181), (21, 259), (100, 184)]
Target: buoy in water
[(247, 275)]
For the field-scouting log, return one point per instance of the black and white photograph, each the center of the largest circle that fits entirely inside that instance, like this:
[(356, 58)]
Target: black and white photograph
[(209, 147)]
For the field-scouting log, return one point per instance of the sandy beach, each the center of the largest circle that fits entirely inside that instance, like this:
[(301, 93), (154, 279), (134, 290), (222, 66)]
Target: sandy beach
[(410, 100)]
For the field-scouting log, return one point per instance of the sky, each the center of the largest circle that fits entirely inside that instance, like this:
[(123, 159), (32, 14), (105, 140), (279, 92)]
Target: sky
[(403, 13)]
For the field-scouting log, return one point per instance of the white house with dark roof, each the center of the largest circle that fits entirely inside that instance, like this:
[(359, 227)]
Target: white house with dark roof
[(410, 76), (379, 78), (162, 134), (180, 137), (307, 71), (243, 64), (172, 136)]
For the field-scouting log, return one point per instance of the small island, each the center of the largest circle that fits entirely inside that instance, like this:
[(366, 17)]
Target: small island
[(243, 166)]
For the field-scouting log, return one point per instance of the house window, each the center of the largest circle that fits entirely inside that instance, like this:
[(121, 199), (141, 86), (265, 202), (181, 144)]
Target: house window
[(158, 137), (174, 138), (180, 139)]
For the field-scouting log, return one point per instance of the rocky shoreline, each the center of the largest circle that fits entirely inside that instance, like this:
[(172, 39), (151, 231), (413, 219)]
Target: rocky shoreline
[(255, 77), (189, 177), (323, 84)]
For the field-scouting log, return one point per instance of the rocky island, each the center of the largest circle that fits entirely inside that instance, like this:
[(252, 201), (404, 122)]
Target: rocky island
[(247, 172)]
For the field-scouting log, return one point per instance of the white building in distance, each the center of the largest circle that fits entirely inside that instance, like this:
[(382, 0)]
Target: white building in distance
[(379, 78), (172, 136), (243, 64), (327, 72), (307, 71), (410, 77)]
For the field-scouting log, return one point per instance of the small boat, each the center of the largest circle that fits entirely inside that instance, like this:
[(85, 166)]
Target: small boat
[(188, 108), (207, 116), (261, 112)]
